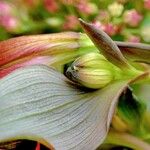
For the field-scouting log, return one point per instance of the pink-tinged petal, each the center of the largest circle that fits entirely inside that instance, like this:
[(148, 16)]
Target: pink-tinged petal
[(50, 44), (45, 60), (53, 61)]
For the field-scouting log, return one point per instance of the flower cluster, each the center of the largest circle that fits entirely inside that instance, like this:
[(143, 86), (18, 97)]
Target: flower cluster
[(121, 19)]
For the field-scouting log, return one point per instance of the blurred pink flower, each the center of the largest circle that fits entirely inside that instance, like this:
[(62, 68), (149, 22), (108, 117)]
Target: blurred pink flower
[(71, 22), (10, 23), (147, 4), (110, 29), (133, 38), (86, 7), (5, 8), (103, 16), (98, 24), (132, 17), (7, 19), (51, 5)]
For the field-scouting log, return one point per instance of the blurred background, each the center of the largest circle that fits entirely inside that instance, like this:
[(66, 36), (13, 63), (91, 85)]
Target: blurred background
[(123, 20)]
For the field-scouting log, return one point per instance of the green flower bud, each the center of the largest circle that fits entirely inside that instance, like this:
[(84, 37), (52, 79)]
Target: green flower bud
[(91, 70)]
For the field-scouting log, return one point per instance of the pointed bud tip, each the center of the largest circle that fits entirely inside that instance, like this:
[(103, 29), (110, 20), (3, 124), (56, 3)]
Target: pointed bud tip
[(106, 45), (80, 20), (83, 23)]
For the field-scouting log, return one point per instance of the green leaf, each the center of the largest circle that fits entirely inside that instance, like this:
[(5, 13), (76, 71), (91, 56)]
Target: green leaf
[(142, 91), (127, 140), (38, 103), (131, 111)]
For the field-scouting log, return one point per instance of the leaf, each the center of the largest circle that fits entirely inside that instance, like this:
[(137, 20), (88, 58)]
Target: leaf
[(142, 92), (131, 110), (38, 103), (128, 140), (105, 45), (135, 51), (19, 47)]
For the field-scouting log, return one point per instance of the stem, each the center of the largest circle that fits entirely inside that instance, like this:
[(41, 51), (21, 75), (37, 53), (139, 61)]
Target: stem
[(141, 79), (128, 140)]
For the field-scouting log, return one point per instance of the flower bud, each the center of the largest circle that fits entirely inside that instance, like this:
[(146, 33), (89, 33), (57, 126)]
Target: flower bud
[(91, 70)]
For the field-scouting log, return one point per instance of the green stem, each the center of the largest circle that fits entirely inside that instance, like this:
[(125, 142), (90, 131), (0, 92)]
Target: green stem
[(128, 140)]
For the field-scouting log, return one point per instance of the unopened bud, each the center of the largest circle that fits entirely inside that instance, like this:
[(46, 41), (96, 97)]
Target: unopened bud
[(91, 70)]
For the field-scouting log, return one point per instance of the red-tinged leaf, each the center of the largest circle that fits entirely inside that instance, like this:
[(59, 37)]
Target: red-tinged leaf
[(135, 51), (37, 45), (47, 60)]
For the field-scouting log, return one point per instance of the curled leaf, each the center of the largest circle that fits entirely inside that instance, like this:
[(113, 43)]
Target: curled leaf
[(131, 110), (38, 103), (142, 92), (135, 51)]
